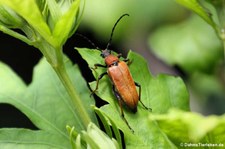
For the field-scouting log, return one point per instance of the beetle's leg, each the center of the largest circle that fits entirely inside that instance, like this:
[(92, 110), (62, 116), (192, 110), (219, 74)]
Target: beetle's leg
[(138, 85), (121, 107), (128, 61), (119, 55), (98, 65), (99, 78)]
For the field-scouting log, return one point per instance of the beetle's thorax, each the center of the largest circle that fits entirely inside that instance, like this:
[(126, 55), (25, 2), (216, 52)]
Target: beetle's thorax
[(109, 58)]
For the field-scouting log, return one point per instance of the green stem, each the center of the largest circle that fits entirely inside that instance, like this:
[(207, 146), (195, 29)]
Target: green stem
[(78, 106), (15, 34), (58, 65)]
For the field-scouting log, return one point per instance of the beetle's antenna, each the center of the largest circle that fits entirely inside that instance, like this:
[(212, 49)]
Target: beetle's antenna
[(110, 39), (88, 40)]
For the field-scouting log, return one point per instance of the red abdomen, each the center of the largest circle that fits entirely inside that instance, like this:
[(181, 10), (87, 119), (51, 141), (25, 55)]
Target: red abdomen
[(124, 84)]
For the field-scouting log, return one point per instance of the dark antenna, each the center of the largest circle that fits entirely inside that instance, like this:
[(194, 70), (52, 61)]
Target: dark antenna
[(110, 39), (88, 40)]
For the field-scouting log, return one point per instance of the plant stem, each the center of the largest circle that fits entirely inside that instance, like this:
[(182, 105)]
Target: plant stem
[(15, 34), (59, 67), (78, 106)]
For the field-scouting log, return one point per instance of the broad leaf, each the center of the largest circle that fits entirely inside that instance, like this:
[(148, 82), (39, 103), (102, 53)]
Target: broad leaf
[(27, 139), (11, 84), (45, 101), (160, 93)]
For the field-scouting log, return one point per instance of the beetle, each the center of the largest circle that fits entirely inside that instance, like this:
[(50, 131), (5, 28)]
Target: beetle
[(123, 85)]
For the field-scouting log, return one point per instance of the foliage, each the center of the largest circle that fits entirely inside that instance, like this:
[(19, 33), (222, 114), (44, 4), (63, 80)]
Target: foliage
[(211, 11), (196, 46), (58, 101), (188, 127), (161, 93), (42, 25), (46, 103)]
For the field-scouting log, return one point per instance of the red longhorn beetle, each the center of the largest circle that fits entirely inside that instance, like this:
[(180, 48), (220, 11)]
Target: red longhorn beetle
[(124, 87)]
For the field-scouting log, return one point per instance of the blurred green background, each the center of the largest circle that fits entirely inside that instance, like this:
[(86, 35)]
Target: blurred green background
[(172, 39)]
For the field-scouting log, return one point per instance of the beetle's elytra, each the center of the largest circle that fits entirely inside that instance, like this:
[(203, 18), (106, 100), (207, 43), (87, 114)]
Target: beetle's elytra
[(124, 87), (123, 83)]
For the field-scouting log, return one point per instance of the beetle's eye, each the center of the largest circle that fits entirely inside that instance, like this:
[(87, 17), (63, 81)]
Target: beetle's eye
[(102, 55)]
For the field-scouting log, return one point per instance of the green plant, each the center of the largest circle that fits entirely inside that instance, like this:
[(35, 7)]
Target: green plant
[(197, 49), (58, 100)]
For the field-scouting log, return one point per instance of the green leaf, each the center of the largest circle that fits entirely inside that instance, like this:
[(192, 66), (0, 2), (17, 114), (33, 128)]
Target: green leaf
[(192, 45), (30, 12), (151, 87), (9, 18), (160, 93), (11, 84), (26, 139), (92, 138), (188, 127), (66, 22), (106, 121), (97, 139), (54, 93), (49, 21), (195, 6), (45, 101)]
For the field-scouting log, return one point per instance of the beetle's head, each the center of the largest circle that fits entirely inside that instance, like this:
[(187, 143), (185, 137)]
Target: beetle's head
[(105, 53)]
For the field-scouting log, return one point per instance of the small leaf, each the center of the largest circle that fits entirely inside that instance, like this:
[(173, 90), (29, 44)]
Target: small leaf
[(97, 139), (106, 122), (30, 12), (66, 23), (9, 18), (195, 6), (185, 127), (160, 93)]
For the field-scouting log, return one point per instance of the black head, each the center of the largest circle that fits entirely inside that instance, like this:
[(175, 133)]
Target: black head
[(105, 53)]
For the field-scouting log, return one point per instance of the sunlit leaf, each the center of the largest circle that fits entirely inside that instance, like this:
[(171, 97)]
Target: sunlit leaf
[(195, 6), (66, 23), (45, 101), (160, 93), (30, 12)]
